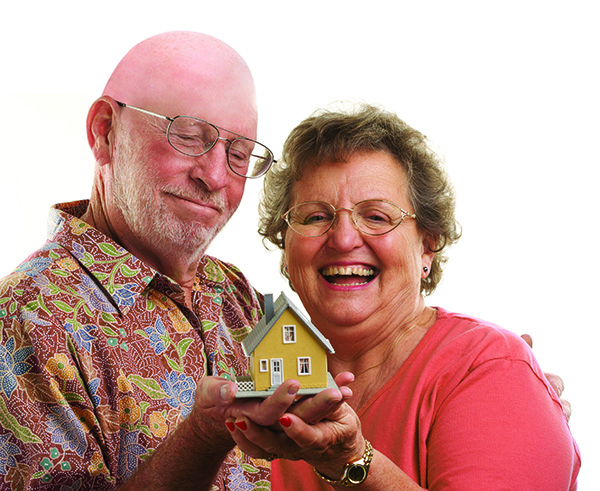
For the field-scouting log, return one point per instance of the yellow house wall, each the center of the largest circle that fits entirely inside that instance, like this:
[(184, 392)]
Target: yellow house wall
[(272, 346)]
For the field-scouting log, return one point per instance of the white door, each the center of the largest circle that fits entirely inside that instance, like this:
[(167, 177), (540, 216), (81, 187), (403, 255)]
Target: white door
[(276, 371)]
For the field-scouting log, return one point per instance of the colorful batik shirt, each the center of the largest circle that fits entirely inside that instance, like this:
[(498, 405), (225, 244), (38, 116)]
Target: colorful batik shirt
[(99, 360)]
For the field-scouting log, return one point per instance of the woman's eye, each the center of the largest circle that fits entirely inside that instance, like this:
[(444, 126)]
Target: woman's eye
[(378, 218), (316, 218)]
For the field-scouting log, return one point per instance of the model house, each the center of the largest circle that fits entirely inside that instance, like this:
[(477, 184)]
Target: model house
[(283, 345)]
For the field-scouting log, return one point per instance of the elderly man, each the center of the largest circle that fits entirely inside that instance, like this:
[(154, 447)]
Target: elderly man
[(118, 335)]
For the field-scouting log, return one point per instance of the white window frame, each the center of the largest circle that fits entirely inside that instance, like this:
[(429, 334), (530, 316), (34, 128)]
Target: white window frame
[(289, 329), (264, 366), (307, 364)]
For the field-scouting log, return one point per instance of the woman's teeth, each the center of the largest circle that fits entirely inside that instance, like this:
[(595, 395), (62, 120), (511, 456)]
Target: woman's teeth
[(347, 271)]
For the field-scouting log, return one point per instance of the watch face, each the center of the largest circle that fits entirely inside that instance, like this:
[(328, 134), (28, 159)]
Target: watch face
[(357, 474)]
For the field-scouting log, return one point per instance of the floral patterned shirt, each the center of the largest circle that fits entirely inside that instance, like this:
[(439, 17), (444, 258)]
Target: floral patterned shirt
[(99, 360)]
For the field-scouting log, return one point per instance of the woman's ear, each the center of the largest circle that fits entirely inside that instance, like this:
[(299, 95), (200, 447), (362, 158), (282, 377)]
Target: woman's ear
[(100, 128), (429, 247), (284, 265)]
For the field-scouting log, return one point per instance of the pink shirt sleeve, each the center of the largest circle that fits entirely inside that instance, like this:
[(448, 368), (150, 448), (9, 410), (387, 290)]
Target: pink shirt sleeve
[(497, 430)]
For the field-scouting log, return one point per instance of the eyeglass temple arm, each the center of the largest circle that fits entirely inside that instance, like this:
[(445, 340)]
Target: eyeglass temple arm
[(122, 104)]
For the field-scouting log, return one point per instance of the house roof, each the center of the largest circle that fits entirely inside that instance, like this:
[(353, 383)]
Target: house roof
[(263, 326)]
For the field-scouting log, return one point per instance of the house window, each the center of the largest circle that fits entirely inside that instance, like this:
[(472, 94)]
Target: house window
[(289, 334), (264, 365), (304, 365)]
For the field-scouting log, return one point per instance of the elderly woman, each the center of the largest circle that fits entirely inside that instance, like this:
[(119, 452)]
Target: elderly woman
[(363, 213)]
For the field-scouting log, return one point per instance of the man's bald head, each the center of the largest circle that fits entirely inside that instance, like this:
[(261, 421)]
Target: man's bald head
[(189, 73)]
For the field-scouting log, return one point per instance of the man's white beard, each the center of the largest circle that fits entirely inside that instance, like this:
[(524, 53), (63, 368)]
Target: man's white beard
[(152, 221)]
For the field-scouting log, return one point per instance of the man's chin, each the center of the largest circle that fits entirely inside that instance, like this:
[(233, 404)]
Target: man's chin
[(191, 239), (171, 233)]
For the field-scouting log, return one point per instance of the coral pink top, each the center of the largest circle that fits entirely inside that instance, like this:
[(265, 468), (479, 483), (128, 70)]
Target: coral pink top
[(469, 410)]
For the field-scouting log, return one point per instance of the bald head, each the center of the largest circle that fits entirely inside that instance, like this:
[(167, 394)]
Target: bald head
[(187, 73)]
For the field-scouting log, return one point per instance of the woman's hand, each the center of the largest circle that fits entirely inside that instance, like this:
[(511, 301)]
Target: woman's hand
[(314, 409), (327, 444), (322, 430)]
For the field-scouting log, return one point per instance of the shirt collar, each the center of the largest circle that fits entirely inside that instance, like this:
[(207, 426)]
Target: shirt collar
[(118, 271)]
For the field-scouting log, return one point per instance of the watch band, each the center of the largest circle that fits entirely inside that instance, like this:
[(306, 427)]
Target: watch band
[(354, 472)]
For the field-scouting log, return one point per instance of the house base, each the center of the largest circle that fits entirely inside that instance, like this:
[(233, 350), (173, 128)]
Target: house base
[(245, 387)]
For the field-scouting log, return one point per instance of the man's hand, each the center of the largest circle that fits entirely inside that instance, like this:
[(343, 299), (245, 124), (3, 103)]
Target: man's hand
[(202, 440), (216, 404), (555, 381)]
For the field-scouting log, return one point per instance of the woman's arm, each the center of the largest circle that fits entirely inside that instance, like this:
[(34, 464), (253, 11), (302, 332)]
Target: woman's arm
[(326, 445)]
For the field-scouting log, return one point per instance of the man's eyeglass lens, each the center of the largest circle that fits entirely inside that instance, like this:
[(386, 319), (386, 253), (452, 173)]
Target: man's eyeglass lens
[(195, 137)]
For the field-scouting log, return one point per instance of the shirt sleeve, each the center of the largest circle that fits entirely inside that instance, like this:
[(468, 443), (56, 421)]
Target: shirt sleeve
[(44, 441), (501, 428)]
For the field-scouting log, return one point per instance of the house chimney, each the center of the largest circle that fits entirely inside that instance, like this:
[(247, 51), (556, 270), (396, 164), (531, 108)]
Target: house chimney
[(269, 312)]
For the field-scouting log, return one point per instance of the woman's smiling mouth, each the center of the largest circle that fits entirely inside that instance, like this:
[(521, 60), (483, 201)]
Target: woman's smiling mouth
[(348, 275)]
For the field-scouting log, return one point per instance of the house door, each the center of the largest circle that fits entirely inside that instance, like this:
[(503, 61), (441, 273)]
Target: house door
[(276, 371)]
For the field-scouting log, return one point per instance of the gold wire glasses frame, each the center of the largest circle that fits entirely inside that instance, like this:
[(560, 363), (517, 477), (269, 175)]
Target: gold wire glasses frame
[(194, 137), (371, 217)]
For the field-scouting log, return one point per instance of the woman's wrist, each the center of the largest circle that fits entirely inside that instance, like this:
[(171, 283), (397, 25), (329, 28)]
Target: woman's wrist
[(354, 472)]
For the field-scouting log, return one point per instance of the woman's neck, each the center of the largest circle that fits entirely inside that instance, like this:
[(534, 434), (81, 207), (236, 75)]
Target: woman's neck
[(375, 362)]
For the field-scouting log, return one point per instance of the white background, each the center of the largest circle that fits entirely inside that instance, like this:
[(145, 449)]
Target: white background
[(508, 91)]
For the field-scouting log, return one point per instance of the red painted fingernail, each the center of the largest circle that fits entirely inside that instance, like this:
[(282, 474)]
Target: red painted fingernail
[(230, 426), (242, 425), (285, 421)]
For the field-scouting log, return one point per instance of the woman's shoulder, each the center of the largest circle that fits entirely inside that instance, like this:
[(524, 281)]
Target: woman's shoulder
[(466, 336), (461, 347)]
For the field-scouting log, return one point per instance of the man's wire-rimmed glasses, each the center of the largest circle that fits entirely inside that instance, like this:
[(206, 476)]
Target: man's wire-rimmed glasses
[(194, 137), (371, 217)]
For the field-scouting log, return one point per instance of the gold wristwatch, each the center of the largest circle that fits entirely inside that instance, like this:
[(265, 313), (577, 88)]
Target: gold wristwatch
[(354, 472)]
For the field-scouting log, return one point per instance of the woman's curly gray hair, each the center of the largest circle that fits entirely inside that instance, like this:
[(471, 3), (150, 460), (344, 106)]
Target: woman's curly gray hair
[(336, 135)]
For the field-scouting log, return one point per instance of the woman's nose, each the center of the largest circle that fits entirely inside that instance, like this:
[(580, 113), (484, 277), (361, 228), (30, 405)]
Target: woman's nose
[(344, 234)]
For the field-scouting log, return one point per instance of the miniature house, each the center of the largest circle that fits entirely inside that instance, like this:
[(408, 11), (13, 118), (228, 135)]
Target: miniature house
[(284, 345)]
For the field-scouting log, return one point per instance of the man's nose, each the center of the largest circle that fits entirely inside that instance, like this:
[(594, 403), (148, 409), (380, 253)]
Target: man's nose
[(212, 167)]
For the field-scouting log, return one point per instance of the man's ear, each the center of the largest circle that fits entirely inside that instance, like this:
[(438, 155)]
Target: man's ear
[(100, 128)]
